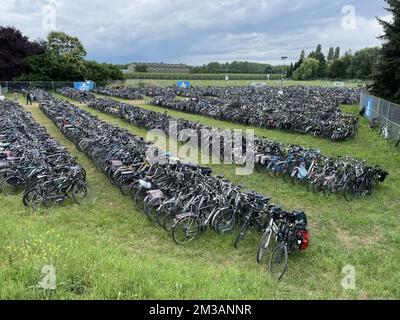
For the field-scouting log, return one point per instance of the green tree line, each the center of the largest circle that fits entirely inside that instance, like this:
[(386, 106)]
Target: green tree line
[(60, 58), (334, 66)]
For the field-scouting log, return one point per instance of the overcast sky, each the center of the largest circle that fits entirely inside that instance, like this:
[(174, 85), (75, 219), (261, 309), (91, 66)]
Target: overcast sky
[(197, 32)]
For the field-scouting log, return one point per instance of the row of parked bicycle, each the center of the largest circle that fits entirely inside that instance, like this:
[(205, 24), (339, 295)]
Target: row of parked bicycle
[(184, 199), (342, 95), (306, 110), (35, 165), (294, 164)]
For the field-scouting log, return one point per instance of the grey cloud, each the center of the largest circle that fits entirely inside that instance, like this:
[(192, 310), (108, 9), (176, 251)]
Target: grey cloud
[(196, 32)]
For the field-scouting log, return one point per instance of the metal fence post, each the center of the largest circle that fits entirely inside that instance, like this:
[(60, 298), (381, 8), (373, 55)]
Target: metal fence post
[(388, 114), (379, 106)]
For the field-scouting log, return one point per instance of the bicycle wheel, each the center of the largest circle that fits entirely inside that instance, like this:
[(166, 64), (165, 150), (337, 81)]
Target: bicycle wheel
[(125, 188), (185, 230), (166, 215), (316, 187), (82, 193), (287, 175), (269, 169), (169, 220), (242, 234), (277, 170), (13, 186), (42, 201), (328, 191), (224, 220), (27, 198), (138, 199), (162, 212), (264, 245), (278, 261), (150, 207), (294, 179), (349, 194), (310, 185)]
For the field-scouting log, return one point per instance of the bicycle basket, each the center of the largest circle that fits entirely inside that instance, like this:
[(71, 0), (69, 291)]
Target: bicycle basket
[(116, 163), (155, 194), (303, 173)]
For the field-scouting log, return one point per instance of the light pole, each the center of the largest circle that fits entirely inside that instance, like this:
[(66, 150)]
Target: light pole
[(283, 64)]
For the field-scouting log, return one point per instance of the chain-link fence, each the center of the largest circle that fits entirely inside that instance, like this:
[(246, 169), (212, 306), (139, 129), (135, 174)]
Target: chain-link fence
[(387, 113), (7, 86)]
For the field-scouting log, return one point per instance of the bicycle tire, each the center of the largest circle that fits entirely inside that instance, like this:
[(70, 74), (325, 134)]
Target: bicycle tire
[(225, 220), (190, 226), (270, 169), (138, 199), (82, 193), (264, 245), (150, 208), (349, 195), (167, 218), (13, 186), (279, 255), (40, 202), (242, 234), (27, 198)]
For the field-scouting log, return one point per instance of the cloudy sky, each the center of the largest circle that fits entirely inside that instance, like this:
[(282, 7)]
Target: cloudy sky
[(197, 32)]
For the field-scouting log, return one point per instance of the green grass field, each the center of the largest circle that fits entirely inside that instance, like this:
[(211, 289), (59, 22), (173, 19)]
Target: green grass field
[(107, 250)]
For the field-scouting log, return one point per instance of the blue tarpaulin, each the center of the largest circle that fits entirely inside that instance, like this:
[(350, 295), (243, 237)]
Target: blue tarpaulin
[(368, 108), (84, 86), (183, 84)]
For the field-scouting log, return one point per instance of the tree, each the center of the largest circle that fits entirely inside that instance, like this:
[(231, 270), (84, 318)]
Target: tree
[(340, 68), (290, 71), (14, 49), (102, 72), (337, 54), (318, 55), (236, 67), (140, 68), (331, 54), (308, 70), (301, 59), (319, 49), (63, 60), (302, 55), (64, 45), (38, 69), (362, 63), (386, 74), (268, 69), (66, 54)]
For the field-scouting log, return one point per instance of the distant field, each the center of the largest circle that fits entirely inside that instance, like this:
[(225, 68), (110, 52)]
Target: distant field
[(201, 76), (223, 83)]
